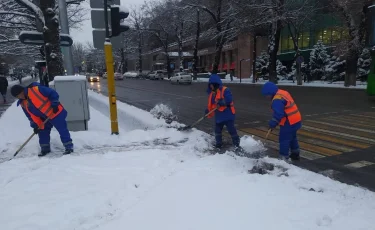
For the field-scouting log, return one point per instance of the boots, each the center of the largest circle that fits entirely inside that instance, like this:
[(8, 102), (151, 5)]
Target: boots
[(44, 152), (68, 151)]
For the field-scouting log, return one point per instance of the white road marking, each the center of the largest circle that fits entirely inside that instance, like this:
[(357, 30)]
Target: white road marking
[(359, 164), (343, 126), (368, 140)]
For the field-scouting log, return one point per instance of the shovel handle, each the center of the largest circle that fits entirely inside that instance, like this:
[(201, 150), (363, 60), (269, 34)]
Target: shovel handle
[(27, 141), (268, 133)]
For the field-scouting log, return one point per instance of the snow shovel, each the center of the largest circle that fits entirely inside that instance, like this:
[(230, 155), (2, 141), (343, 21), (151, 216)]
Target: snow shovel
[(27, 141), (268, 133), (197, 122)]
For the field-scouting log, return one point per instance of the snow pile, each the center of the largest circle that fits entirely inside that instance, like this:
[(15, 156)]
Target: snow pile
[(130, 117), (162, 179), (162, 111), (16, 82)]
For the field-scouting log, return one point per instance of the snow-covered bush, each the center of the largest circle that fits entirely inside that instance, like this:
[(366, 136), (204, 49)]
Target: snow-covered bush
[(335, 69), (282, 71), (262, 65), (364, 64), (319, 58)]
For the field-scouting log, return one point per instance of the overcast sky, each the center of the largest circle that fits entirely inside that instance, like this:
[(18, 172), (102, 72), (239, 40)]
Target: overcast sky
[(85, 33)]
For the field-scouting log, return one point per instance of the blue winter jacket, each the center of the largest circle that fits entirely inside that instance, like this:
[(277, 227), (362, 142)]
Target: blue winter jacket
[(227, 114), (278, 107), (51, 94)]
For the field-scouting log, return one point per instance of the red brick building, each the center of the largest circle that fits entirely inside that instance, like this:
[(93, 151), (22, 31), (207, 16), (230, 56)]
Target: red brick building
[(233, 52)]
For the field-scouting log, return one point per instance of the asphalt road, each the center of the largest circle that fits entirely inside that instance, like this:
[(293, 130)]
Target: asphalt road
[(338, 134)]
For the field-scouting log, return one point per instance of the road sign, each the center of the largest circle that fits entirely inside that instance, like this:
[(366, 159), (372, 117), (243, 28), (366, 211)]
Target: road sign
[(96, 4), (97, 18), (300, 59), (99, 38), (36, 38)]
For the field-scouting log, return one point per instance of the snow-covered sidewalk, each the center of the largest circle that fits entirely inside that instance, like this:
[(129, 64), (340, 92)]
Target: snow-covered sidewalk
[(159, 178), (337, 84), (12, 83)]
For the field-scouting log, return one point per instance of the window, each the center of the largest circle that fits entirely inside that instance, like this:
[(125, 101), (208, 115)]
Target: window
[(318, 36), (305, 43), (327, 35), (284, 43), (290, 43)]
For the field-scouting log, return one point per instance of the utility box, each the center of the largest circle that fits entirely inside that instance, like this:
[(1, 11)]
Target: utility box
[(74, 97)]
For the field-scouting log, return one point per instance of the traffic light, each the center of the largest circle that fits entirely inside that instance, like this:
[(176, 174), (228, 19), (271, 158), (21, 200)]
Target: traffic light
[(118, 13)]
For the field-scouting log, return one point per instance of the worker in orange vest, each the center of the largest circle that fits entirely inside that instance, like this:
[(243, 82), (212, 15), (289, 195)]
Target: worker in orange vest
[(39, 103), (287, 115), (220, 97)]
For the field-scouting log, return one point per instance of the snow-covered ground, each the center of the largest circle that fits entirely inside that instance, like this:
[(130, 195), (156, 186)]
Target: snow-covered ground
[(160, 178), (338, 84)]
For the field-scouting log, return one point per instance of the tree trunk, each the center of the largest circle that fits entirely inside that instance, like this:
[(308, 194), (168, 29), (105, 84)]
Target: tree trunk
[(298, 73), (197, 35), (254, 57), (125, 65), (273, 53), (351, 68), (140, 52), (169, 70), (180, 47), (52, 39), (122, 61)]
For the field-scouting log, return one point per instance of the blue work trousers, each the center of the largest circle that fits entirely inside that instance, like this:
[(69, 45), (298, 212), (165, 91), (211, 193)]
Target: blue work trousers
[(231, 130), (59, 122), (288, 141)]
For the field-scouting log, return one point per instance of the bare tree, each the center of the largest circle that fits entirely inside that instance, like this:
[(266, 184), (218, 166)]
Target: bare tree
[(19, 15), (353, 13), (222, 22), (299, 16), (159, 26), (137, 19)]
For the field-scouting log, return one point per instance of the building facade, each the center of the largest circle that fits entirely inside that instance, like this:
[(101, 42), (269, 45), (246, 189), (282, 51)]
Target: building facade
[(325, 27)]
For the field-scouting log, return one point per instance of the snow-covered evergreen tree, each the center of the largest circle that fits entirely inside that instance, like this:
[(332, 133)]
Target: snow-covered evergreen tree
[(305, 71), (262, 65), (335, 69), (282, 71), (364, 64), (319, 58)]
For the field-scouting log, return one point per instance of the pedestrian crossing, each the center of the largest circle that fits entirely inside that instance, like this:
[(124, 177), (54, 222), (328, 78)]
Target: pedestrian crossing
[(326, 136)]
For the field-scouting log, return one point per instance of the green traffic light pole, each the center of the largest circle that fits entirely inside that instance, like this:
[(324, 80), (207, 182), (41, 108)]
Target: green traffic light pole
[(371, 77)]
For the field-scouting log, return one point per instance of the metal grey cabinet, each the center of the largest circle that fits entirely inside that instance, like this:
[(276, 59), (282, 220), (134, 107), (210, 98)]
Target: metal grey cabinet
[(74, 97)]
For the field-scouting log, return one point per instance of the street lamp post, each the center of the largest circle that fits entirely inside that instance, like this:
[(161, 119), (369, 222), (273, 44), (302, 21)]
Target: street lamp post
[(67, 51)]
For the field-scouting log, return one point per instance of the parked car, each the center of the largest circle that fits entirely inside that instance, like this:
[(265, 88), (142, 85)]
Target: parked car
[(119, 76), (131, 75), (181, 78), (156, 75), (93, 78)]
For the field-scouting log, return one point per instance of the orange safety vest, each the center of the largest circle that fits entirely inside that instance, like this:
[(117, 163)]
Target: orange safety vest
[(291, 109), (219, 96), (42, 103)]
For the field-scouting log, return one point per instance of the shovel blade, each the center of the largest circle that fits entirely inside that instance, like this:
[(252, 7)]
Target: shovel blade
[(184, 128)]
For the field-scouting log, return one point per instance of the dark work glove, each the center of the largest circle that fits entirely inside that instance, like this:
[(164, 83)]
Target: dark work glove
[(221, 102), (36, 130), (272, 124), (55, 109), (206, 112)]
